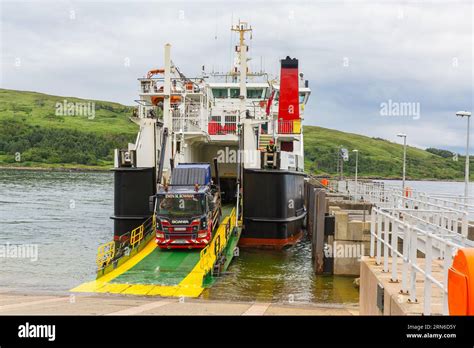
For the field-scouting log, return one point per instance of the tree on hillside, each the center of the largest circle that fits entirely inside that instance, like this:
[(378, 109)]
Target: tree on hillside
[(440, 152)]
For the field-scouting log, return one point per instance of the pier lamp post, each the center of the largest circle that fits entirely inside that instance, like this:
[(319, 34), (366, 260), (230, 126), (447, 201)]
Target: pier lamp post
[(466, 170), (404, 136), (357, 164)]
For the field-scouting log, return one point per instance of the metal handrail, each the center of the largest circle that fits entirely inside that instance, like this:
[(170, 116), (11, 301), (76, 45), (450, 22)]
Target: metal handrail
[(289, 126), (412, 238), (423, 223), (211, 253), (110, 252)]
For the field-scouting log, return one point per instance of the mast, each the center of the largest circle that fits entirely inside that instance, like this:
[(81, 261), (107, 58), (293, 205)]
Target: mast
[(242, 28), (167, 120)]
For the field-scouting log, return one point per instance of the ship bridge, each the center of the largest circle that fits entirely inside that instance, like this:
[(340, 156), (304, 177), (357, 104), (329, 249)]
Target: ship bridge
[(196, 119)]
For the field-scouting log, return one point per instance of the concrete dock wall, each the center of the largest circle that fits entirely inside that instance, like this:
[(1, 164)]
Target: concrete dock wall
[(379, 295), (351, 238)]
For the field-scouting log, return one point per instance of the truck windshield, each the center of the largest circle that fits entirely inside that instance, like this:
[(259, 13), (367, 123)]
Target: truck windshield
[(180, 205)]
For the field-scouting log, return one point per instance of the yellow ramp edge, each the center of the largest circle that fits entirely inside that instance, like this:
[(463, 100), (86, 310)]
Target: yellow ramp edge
[(96, 285), (192, 291), (138, 289), (113, 288), (163, 290), (190, 286), (92, 286)]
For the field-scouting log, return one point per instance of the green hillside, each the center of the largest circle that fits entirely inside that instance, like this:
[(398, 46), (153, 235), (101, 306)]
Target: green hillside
[(32, 131), (31, 127), (377, 157)]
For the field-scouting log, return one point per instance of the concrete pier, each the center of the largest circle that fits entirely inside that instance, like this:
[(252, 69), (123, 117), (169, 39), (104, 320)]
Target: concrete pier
[(107, 304), (394, 302), (351, 231)]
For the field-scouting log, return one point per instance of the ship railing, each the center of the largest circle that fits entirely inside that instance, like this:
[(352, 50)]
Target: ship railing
[(186, 117), (186, 125), (155, 85), (111, 252), (289, 126), (407, 246), (222, 125)]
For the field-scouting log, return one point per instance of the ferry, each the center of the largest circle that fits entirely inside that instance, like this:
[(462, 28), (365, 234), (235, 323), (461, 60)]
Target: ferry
[(231, 117)]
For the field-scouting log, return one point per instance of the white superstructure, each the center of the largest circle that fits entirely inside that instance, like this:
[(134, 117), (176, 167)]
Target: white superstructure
[(204, 116)]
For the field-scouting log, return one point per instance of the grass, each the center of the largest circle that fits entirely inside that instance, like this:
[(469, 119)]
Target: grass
[(377, 157), (34, 134), (31, 128), (39, 109)]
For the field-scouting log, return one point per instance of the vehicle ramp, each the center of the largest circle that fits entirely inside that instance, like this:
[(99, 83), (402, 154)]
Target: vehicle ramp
[(148, 270)]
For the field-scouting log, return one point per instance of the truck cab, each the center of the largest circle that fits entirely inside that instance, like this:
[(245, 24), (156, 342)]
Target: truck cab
[(187, 215)]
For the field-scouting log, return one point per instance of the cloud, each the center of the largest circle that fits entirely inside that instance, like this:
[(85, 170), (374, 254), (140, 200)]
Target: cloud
[(356, 55)]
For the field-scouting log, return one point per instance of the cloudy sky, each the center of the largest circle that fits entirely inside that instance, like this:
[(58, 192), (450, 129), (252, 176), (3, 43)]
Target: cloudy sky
[(362, 58)]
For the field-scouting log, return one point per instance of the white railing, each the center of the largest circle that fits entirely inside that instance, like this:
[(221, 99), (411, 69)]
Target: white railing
[(373, 192), (389, 227), (430, 228), (186, 118), (184, 125)]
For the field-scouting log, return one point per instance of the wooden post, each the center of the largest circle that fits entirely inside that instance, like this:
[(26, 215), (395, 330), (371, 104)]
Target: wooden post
[(311, 209), (318, 230)]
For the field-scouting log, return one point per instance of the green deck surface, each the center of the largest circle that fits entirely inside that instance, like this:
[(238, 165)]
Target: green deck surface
[(164, 267)]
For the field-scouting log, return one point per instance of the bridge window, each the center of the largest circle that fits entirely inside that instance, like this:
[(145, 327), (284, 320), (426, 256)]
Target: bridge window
[(235, 92), (255, 93), (219, 93)]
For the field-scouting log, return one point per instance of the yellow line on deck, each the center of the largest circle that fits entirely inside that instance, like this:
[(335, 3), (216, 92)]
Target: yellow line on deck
[(96, 285)]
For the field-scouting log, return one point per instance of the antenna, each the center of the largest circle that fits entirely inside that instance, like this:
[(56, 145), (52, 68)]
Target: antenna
[(230, 40), (216, 45), (242, 28), (215, 36)]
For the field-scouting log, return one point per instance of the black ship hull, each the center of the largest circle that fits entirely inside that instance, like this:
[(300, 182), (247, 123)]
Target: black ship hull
[(273, 208)]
